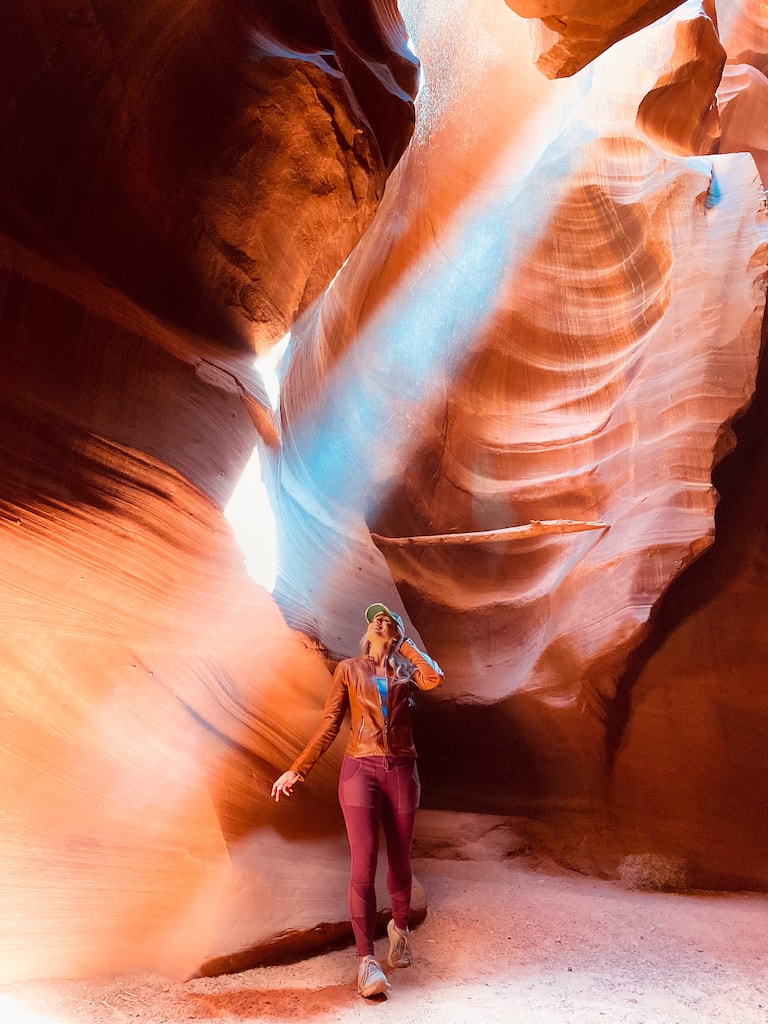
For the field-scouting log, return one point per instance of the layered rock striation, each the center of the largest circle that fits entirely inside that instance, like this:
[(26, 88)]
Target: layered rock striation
[(193, 154), (176, 184), (488, 361), (510, 377)]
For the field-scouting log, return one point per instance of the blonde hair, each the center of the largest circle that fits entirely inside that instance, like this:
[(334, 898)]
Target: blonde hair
[(401, 666)]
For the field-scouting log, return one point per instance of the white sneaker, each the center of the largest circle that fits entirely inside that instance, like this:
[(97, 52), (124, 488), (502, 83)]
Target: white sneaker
[(371, 980), (399, 946)]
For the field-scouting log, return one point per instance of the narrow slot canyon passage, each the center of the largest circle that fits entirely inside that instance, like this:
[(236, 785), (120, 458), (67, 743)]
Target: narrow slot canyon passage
[(383, 378)]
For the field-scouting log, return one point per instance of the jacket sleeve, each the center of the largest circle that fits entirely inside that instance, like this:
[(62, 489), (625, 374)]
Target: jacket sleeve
[(333, 715), (428, 673)]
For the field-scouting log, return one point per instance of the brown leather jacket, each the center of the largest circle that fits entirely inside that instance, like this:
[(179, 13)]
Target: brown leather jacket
[(354, 688)]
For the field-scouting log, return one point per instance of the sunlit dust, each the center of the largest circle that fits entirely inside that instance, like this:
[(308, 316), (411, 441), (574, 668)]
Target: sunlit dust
[(12, 1012), (424, 333)]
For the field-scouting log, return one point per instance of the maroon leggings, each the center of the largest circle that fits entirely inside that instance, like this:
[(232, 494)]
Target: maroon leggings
[(376, 791)]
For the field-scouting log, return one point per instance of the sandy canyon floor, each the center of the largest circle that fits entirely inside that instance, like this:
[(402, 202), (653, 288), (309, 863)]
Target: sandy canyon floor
[(504, 940)]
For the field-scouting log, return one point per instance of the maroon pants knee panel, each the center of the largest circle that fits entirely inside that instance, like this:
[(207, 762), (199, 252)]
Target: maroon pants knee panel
[(374, 792)]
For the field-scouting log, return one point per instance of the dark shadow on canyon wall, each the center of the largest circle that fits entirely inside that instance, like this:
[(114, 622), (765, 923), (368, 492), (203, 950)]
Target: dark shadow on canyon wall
[(695, 694), (519, 756), (741, 480), (180, 162), (676, 763)]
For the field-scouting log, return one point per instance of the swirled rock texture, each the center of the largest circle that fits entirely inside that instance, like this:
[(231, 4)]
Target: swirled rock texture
[(177, 182), (695, 70), (695, 689), (696, 694), (192, 153), (519, 384), (510, 376), (743, 92)]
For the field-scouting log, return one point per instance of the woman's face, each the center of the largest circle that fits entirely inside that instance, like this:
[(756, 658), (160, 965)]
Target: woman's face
[(381, 627)]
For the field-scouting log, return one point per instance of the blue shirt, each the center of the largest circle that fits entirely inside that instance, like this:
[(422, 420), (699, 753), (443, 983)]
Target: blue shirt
[(381, 682)]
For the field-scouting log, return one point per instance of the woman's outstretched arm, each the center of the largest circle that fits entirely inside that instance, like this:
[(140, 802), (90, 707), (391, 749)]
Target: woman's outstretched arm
[(328, 729)]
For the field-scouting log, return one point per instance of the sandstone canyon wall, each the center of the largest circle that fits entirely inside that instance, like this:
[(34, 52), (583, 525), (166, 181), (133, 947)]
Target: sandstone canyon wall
[(164, 170), (510, 377)]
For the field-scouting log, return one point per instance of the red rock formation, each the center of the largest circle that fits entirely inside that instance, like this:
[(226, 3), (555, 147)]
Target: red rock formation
[(571, 33), (141, 136), (538, 401), (745, 30), (743, 93), (695, 695), (500, 365), (504, 413), (743, 103), (143, 671), (696, 67), (174, 161)]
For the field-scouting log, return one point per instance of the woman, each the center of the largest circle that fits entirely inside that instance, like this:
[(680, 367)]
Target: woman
[(379, 784)]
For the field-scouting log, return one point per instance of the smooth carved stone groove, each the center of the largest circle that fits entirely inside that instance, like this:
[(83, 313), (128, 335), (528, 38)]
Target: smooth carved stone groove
[(743, 104), (542, 461), (689, 89), (578, 356), (145, 685), (743, 93), (697, 694)]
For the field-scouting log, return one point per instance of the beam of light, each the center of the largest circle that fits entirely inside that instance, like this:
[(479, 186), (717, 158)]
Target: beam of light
[(353, 441), (418, 341), (343, 453), (249, 511), (269, 366), (345, 446)]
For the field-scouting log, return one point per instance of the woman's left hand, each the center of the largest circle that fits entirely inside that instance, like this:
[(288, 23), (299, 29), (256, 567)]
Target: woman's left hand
[(285, 784)]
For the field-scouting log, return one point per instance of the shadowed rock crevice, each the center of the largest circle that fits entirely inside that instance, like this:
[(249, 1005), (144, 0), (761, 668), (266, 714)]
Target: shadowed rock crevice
[(139, 136)]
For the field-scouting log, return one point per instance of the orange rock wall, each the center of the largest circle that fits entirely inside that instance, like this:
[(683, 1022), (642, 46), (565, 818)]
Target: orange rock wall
[(166, 171), (141, 137), (509, 379), (486, 361)]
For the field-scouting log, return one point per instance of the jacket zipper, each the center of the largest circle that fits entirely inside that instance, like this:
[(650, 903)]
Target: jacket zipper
[(384, 721)]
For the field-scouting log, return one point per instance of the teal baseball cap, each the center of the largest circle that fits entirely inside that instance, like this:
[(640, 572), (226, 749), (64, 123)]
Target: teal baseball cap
[(381, 609)]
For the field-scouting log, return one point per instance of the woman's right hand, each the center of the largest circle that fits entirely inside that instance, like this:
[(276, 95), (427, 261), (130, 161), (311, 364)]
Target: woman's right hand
[(285, 784)]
